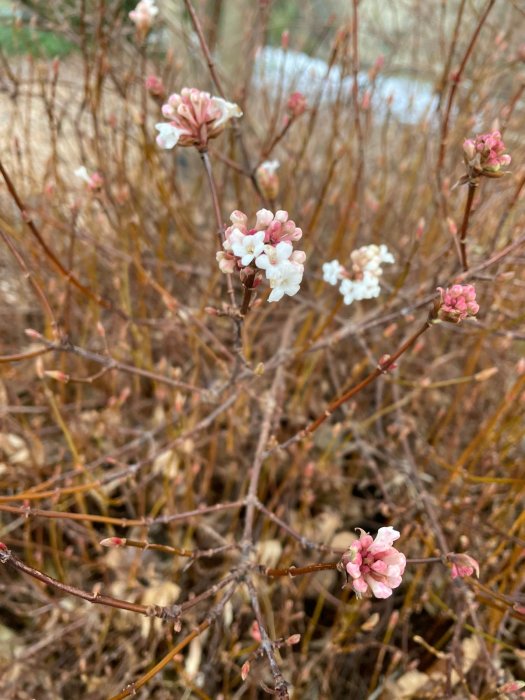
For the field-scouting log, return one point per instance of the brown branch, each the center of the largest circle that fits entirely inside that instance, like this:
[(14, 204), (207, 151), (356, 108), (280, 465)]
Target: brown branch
[(10, 560), (346, 396), (472, 187), (26, 217)]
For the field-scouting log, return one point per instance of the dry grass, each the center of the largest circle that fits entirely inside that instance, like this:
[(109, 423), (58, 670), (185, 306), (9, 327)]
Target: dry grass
[(186, 412)]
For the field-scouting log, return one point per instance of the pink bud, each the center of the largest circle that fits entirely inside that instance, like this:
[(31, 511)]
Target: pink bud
[(155, 86), (31, 333), (457, 303), (255, 631), (296, 104), (293, 639), (245, 670), (453, 229), (58, 375), (462, 565), (113, 542)]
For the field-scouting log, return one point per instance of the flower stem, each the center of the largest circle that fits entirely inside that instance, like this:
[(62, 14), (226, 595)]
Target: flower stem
[(248, 289), (299, 570), (217, 211), (472, 187)]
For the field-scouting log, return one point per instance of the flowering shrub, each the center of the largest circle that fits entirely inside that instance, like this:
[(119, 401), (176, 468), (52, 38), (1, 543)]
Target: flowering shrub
[(183, 467)]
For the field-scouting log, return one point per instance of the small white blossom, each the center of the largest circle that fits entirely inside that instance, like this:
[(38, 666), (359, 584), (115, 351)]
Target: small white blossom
[(332, 272), (270, 166), (229, 110), (246, 247), (82, 173), (168, 136), (144, 14), (356, 290), (287, 280), (273, 256)]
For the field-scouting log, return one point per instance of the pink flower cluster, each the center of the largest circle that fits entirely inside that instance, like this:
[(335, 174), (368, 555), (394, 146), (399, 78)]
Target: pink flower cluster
[(296, 104), (462, 565), (266, 247), (457, 303), (195, 117), (374, 566), (484, 155)]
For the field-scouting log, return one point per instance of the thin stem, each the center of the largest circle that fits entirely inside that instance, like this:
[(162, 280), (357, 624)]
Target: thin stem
[(8, 558), (213, 73), (455, 83), (26, 217), (303, 541), (167, 549), (281, 686), (248, 289), (472, 187), (30, 276), (299, 570), (214, 613), (340, 400), (19, 356), (218, 218), (269, 411), (111, 364)]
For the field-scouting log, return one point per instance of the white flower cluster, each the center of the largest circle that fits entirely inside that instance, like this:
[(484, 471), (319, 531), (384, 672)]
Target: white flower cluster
[(144, 14), (266, 247), (363, 281)]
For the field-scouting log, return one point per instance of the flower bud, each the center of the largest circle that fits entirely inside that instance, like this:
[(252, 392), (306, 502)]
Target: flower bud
[(267, 178)]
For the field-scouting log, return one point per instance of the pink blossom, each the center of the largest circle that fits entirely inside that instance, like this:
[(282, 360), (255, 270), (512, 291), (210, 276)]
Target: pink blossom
[(296, 104), (484, 155), (463, 565), (374, 566), (457, 303), (194, 118)]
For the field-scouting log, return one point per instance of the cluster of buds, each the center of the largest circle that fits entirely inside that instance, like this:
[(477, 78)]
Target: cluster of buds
[(296, 104), (362, 282), (155, 87), (457, 303), (484, 156), (373, 566), (94, 181), (143, 16), (267, 178), (267, 248), (462, 565), (195, 117)]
